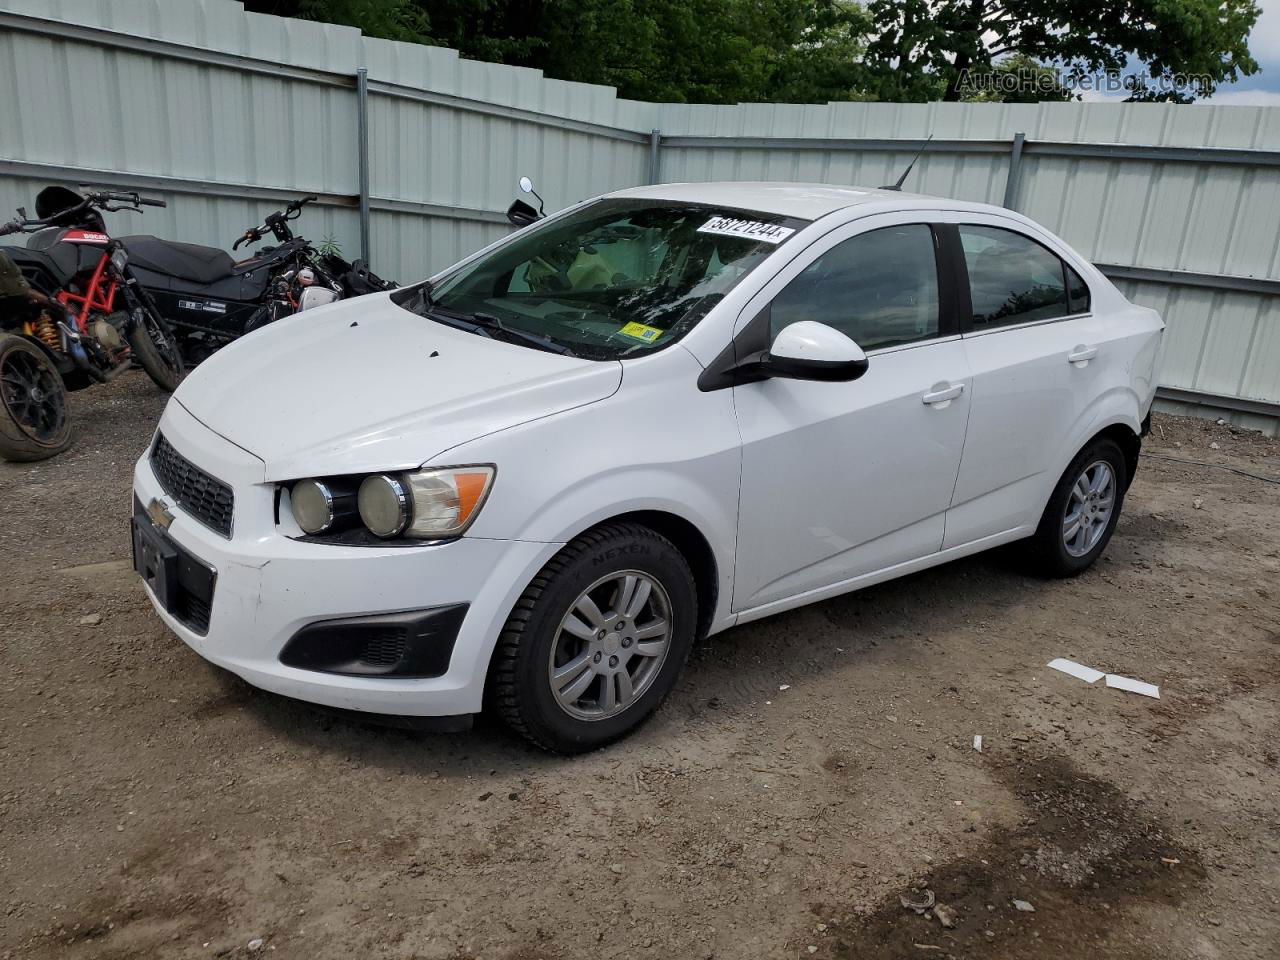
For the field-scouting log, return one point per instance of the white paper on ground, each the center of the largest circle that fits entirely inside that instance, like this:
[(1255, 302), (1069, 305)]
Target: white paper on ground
[(1087, 674), (1133, 686), (977, 742)]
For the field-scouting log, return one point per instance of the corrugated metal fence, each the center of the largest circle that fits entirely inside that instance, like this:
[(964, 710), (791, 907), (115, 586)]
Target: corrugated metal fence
[(415, 152)]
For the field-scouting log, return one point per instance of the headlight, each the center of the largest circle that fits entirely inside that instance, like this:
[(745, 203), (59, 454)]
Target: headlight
[(384, 504), (426, 503), (316, 506)]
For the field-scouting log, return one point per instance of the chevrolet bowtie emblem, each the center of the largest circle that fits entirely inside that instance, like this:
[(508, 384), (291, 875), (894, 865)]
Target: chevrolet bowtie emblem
[(159, 514)]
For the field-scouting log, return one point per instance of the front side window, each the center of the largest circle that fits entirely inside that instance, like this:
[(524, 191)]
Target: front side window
[(1077, 292), (879, 288), (615, 279), (1013, 279)]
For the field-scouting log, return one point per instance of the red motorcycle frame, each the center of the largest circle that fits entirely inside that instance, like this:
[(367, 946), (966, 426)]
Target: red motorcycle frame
[(101, 293)]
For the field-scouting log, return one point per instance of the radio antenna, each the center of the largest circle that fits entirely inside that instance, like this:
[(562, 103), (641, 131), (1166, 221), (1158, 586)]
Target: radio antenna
[(901, 179)]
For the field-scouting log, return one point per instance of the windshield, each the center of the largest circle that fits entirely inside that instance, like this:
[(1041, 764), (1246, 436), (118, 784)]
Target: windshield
[(615, 279)]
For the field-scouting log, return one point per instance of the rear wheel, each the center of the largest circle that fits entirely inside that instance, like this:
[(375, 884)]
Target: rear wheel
[(597, 641), (156, 348), (34, 421), (1082, 511)]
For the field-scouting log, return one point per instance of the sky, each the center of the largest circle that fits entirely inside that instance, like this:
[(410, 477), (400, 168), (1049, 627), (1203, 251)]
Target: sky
[(1261, 89)]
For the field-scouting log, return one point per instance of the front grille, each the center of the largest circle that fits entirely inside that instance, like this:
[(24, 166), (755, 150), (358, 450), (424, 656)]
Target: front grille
[(384, 647), (206, 498)]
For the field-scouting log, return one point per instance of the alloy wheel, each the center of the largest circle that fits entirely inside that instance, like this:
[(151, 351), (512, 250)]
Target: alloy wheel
[(1090, 505), (32, 395), (610, 645)]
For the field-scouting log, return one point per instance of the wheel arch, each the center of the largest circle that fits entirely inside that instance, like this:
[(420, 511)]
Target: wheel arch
[(1115, 414), (696, 549), (1129, 442), (687, 537)]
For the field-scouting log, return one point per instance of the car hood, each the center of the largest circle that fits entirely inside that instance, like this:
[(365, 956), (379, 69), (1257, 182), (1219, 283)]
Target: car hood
[(365, 385)]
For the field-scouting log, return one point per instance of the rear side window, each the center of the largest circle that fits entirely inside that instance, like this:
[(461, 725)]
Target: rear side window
[(1013, 279), (879, 288)]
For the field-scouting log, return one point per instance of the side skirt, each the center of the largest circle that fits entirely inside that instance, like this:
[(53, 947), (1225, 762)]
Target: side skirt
[(888, 573)]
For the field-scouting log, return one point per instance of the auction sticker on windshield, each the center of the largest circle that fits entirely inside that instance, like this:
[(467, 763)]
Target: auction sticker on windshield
[(748, 229), (641, 332)]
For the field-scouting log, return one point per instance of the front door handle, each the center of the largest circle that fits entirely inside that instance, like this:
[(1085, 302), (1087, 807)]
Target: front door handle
[(943, 393), (1082, 354)]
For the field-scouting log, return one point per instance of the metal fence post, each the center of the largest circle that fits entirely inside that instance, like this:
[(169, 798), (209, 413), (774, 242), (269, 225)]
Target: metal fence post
[(362, 145), (655, 163), (1015, 168)]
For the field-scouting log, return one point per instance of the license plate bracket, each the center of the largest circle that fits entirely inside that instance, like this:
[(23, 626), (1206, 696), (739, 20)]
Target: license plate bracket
[(155, 559)]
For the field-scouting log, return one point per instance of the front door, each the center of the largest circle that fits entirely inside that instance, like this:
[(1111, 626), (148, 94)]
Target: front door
[(845, 479)]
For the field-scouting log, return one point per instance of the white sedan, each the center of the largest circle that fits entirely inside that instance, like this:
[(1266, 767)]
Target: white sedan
[(531, 484)]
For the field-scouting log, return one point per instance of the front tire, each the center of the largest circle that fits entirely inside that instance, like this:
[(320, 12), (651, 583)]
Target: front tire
[(1082, 511), (596, 641), (35, 423), (156, 349)]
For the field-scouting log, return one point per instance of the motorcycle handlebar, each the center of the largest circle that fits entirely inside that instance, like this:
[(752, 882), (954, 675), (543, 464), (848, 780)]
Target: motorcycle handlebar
[(111, 196), (276, 222), (103, 201), (297, 205)]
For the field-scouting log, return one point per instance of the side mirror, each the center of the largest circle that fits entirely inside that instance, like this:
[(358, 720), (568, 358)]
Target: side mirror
[(521, 214), (527, 186), (808, 350)]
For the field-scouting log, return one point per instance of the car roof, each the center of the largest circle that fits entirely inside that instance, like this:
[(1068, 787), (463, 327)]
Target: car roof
[(808, 201)]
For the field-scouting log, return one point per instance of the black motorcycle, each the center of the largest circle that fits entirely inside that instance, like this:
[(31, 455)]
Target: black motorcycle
[(210, 299), (74, 317)]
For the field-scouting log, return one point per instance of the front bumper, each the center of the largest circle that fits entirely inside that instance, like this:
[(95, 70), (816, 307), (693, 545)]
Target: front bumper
[(269, 587)]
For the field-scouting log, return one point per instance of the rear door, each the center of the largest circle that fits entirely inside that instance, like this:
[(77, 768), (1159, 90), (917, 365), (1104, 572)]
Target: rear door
[(1032, 347)]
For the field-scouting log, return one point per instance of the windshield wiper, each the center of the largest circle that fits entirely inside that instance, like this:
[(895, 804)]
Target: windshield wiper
[(484, 324), (489, 323), (419, 299), (426, 291)]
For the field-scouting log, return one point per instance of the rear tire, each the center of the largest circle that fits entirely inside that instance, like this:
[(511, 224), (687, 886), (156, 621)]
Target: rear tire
[(1082, 511), (597, 640), (35, 423), (156, 350)]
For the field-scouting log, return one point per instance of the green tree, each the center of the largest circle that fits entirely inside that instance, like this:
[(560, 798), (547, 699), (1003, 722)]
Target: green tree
[(710, 51), (923, 48), (1015, 79), (698, 51)]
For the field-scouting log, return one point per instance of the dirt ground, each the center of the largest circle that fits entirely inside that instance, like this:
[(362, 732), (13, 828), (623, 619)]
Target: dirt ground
[(811, 772)]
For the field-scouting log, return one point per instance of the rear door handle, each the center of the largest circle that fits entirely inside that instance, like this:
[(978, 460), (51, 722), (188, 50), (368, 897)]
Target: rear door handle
[(942, 393), (1082, 354)]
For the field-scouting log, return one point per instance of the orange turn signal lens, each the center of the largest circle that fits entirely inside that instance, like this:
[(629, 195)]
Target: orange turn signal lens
[(446, 501)]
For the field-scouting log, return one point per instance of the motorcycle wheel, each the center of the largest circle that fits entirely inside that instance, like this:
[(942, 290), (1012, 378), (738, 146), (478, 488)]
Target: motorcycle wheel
[(156, 349), (35, 423)]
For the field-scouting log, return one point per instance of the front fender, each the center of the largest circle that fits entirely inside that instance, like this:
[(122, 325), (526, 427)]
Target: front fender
[(658, 444)]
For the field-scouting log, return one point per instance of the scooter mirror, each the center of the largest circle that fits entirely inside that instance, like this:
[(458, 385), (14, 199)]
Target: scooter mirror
[(526, 185)]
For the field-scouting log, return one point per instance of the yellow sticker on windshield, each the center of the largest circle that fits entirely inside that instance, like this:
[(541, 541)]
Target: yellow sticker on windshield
[(641, 332)]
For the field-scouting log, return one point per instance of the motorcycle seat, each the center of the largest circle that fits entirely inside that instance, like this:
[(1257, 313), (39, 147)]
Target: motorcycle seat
[(185, 261)]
